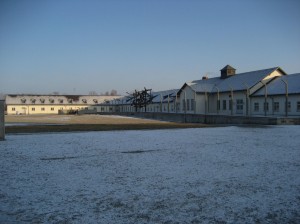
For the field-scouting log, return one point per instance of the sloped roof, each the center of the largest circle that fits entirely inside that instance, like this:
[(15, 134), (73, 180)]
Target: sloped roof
[(205, 85), (163, 95), (237, 82), (29, 99), (227, 67), (277, 86), (242, 81)]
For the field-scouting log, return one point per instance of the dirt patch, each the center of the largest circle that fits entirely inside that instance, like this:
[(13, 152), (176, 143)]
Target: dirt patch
[(67, 123), (78, 119)]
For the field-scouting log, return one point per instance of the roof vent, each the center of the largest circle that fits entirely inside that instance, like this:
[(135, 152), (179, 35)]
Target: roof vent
[(227, 71)]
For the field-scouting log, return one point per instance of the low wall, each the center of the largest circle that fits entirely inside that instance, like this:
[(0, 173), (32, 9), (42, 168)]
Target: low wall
[(212, 119)]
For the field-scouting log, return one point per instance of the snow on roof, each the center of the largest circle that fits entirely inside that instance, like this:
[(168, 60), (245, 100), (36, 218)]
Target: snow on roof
[(164, 95), (237, 82), (277, 86), (242, 81), (56, 99), (204, 85)]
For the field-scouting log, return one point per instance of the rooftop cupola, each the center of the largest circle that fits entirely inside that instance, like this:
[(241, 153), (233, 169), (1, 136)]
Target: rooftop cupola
[(227, 71)]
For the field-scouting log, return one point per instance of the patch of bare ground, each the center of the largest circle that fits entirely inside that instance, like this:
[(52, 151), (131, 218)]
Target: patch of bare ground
[(67, 123)]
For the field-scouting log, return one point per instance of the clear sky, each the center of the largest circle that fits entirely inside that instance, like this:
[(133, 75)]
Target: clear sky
[(77, 46)]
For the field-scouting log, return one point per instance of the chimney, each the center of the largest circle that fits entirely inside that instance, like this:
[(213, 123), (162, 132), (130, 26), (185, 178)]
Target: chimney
[(227, 71), (204, 77)]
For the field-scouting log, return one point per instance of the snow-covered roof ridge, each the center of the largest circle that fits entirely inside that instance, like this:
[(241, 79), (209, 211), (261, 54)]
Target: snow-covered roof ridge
[(242, 81), (278, 86)]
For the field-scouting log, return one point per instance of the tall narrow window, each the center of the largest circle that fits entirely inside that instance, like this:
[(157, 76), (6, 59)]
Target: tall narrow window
[(256, 107), (224, 104), (289, 106), (298, 106), (192, 104), (276, 107), (239, 105), (266, 106)]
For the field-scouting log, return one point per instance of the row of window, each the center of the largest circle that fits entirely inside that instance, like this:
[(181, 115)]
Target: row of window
[(190, 104), (276, 106), (33, 109), (23, 100)]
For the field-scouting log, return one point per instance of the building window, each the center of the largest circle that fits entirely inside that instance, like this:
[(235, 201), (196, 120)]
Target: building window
[(298, 106), (70, 101), (32, 109), (239, 105), (13, 109), (84, 100), (188, 104), (224, 104), (102, 108), (23, 100), (183, 104), (256, 106), (43, 109), (52, 108), (266, 106), (192, 104), (289, 106), (276, 106), (230, 104)]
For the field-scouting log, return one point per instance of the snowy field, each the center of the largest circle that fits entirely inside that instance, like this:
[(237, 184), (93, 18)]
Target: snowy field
[(207, 175)]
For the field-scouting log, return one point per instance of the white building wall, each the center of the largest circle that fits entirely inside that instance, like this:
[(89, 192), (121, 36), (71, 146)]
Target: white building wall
[(294, 101), (186, 98)]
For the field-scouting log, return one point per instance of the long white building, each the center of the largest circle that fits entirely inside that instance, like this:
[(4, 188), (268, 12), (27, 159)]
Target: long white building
[(52, 104), (256, 93)]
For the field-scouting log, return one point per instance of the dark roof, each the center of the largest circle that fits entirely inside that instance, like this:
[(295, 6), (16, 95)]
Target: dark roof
[(227, 67)]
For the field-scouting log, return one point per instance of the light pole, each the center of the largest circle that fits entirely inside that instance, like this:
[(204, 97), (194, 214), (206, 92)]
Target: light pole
[(286, 96), (266, 95), (218, 98), (247, 99), (231, 101)]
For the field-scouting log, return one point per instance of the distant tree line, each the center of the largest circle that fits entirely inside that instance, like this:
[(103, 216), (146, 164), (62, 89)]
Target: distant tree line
[(113, 92)]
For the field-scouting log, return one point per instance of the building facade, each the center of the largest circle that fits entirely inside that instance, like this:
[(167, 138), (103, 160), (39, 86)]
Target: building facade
[(52, 104), (256, 93)]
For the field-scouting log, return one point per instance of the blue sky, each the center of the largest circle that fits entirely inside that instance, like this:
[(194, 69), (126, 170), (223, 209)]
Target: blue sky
[(74, 46)]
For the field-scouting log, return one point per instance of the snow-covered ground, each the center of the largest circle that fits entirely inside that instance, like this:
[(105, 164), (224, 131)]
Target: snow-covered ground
[(208, 175)]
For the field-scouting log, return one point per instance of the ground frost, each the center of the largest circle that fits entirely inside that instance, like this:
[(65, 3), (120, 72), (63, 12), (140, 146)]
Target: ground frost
[(207, 175)]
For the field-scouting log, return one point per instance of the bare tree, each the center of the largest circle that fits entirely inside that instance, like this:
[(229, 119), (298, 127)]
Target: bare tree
[(106, 93), (113, 92), (93, 93)]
